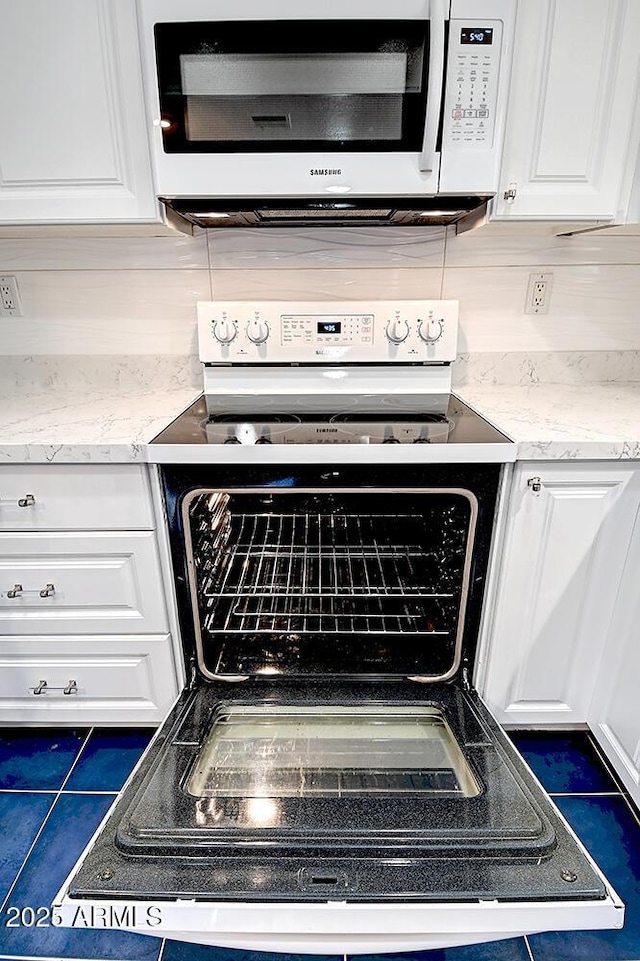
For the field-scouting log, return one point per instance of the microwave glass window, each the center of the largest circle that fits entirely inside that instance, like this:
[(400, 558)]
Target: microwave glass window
[(262, 86), (330, 751)]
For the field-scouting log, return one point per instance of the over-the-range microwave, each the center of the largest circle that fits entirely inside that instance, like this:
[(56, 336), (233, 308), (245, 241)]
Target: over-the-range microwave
[(345, 111)]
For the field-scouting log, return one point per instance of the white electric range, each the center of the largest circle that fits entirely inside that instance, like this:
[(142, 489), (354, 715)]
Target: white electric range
[(353, 375)]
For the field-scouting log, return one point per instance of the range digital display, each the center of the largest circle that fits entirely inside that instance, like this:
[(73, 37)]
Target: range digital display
[(476, 35), (329, 327)]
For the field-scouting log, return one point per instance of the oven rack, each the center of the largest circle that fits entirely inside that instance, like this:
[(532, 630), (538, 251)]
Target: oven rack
[(296, 614), (325, 556), (319, 573)]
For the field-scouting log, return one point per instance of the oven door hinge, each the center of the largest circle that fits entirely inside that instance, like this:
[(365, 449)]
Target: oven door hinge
[(193, 673), (466, 683)]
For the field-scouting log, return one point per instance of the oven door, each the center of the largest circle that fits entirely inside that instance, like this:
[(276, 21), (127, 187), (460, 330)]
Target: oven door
[(290, 101), (291, 814)]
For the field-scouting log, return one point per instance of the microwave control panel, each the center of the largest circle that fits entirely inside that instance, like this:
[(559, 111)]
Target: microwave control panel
[(403, 332), (471, 99)]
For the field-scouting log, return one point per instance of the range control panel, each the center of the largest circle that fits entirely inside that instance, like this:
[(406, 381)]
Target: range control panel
[(471, 100), (402, 331)]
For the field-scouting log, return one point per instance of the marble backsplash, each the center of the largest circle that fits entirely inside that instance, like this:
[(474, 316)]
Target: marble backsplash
[(518, 368), (94, 372), (99, 372)]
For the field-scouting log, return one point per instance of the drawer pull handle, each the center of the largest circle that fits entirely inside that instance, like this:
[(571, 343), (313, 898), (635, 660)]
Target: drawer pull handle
[(18, 590), (27, 501), (535, 483), (43, 687)]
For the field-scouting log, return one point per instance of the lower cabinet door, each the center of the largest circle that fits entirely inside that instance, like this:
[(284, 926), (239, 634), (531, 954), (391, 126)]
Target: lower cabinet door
[(112, 680), (81, 582), (614, 713), (568, 533), (231, 830)]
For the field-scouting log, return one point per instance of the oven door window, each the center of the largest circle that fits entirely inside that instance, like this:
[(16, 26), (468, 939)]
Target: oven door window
[(329, 751), (292, 85)]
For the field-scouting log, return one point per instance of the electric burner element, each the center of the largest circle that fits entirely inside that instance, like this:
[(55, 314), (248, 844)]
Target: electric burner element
[(271, 418)]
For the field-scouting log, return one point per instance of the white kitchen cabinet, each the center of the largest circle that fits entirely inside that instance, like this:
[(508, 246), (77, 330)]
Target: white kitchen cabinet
[(40, 497), (614, 713), (86, 613), (571, 140), (565, 551), (74, 145), (86, 680), (80, 582)]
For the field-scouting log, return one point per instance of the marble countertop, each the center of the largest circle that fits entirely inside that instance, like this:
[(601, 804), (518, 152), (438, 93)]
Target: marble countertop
[(563, 421), (110, 425), (92, 409)]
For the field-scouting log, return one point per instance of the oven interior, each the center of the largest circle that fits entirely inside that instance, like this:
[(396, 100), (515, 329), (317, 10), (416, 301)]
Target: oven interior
[(340, 582)]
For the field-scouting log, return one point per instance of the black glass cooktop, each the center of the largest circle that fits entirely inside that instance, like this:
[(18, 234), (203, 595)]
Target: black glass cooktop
[(435, 419)]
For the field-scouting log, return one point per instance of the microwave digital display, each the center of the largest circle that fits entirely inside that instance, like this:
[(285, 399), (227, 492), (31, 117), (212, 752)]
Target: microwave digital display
[(326, 327), (476, 35)]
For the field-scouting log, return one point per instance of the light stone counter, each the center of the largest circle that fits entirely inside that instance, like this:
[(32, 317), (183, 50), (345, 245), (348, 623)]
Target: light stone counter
[(563, 421), (107, 410), (90, 409), (105, 427)]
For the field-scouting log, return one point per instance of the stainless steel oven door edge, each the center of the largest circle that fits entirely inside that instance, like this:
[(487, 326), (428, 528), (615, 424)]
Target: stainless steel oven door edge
[(324, 926)]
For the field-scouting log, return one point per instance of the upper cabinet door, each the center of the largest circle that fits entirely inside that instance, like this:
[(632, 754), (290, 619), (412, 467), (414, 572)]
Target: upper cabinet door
[(571, 141), (74, 146)]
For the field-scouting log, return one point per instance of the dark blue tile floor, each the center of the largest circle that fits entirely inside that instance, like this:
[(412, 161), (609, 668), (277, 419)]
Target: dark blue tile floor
[(56, 785)]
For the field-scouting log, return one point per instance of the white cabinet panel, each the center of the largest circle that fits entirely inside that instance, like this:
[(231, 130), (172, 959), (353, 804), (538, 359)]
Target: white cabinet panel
[(571, 140), (74, 144), (55, 496), (114, 680), (614, 714), (105, 582), (564, 552)]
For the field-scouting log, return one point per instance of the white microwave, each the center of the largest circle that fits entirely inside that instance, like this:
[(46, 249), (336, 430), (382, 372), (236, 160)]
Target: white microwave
[(345, 102)]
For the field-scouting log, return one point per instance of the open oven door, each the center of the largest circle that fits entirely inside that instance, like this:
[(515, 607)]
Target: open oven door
[(330, 782), (433, 833)]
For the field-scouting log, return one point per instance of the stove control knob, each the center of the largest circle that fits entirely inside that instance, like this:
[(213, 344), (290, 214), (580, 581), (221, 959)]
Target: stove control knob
[(397, 330), (431, 330), (391, 440), (422, 440), (264, 440), (232, 440), (224, 331), (257, 331)]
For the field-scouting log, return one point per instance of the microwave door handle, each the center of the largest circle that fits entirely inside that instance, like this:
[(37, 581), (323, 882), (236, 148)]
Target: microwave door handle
[(437, 18)]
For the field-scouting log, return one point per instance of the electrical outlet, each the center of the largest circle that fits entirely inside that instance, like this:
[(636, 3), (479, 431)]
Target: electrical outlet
[(9, 298), (538, 294)]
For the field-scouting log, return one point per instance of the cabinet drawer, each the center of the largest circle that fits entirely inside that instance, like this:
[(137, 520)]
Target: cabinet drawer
[(81, 583), (69, 497), (113, 680)]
